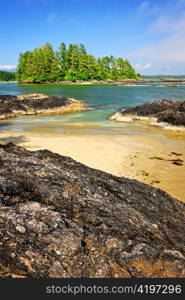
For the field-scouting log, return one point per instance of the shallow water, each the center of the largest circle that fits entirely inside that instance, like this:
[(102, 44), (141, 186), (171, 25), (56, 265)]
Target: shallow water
[(105, 99), (122, 149)]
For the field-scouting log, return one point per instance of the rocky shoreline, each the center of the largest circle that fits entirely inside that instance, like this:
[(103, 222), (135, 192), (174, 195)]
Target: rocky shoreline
[(33, 104), (159, 113), (112, 82), (60, 218)]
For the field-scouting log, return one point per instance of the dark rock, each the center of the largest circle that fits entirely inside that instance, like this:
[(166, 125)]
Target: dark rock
[(59, 218), (177, 154), (12, 106), (148, 108), (155, 181), (178, 162), (172, 112), (159, 158), (165, 159)]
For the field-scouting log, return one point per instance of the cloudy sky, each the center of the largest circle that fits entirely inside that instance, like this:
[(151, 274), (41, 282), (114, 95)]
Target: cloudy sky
[(150, 33)]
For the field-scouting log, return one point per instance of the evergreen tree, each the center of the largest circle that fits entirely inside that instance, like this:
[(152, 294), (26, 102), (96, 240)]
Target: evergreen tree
[(73, 63), (61, 60), (7, 76), (82, 49)]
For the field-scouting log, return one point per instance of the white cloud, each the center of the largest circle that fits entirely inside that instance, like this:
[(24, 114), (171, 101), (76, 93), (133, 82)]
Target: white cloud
[(141, 66), (162, 24), (7, 67), (170, 49), (146, 7), (168, 53), (169, 24), (52, 18), (143, 6), (167, 67)]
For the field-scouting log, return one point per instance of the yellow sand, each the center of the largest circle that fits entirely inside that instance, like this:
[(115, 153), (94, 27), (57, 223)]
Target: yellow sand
[(122, 155)]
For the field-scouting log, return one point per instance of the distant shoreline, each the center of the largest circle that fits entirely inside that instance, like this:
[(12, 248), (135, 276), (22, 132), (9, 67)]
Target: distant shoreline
[(120, 82), (109, 82), (8, 81)]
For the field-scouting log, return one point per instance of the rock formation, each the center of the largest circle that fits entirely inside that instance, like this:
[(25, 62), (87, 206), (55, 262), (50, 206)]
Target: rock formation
[(160, 111), (32, 104), (59, 218)]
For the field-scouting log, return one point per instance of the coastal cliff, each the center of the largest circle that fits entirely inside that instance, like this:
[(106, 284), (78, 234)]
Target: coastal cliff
[(60, 218), (158, 112), (32, 104)]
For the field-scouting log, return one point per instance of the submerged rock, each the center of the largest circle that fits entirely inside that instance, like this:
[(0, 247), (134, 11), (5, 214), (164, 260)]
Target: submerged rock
[(160, 111), (60, 218), (32, 104)]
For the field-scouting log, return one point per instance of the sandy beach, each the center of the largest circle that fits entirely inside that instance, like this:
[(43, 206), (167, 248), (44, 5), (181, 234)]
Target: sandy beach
[(151, 159)]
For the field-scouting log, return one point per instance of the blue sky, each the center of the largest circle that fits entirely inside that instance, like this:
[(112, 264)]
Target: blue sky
[(150, 33)]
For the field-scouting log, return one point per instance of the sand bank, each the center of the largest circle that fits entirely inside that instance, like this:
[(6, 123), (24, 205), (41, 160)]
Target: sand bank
[(146, 158)]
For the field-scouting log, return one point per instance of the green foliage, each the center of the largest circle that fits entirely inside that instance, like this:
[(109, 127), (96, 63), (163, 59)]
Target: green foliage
[(73, 63), (7, 76)]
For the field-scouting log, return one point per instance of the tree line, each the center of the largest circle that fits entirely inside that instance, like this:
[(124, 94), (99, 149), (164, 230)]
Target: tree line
[(7, 76), (70, 63)]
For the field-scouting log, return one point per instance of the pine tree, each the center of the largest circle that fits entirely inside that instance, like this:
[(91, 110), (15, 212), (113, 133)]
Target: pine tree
[(73, 63)]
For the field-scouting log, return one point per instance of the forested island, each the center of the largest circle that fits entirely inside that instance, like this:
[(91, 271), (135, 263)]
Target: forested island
[(71, 63), (7, 76)]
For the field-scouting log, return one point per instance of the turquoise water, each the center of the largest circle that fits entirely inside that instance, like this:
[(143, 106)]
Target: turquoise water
[(105, 99)]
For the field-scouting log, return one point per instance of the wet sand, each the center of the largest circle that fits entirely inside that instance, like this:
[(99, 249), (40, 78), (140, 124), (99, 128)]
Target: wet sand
[(148, 158)]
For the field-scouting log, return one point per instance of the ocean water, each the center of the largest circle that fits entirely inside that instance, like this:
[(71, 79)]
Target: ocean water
[(105, 100)]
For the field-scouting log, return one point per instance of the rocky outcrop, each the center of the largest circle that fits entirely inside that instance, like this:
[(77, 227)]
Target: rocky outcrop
[(32, 104), (159, 111), (59, 218)]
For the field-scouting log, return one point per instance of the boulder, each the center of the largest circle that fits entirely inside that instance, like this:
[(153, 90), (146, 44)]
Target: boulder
[(60, 218)]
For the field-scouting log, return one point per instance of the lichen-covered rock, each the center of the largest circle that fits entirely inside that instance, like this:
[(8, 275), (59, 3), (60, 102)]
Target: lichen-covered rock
[(171, 112), (32, 104), (59, 218)]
